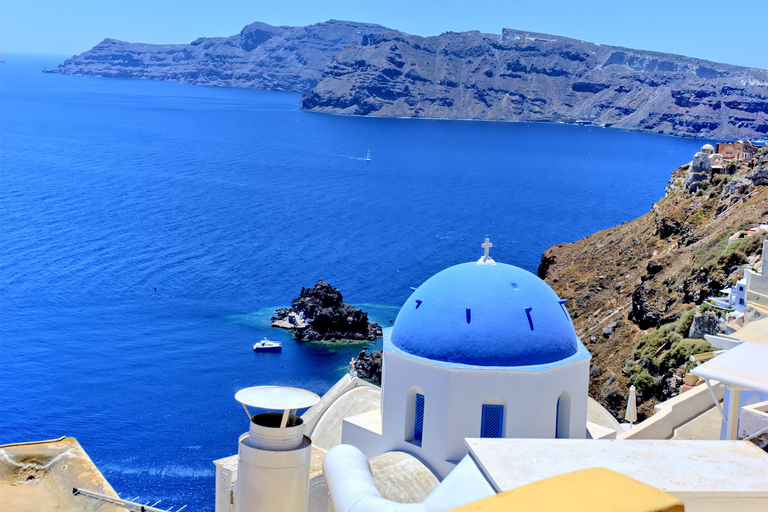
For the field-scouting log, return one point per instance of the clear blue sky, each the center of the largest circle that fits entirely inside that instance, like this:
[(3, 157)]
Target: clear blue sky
[(674, 26)]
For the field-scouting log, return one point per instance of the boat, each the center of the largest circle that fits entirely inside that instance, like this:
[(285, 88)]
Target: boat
[(368, 156), (266, 345)]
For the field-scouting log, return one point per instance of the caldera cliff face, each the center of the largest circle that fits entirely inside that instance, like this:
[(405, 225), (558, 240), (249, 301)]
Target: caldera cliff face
[(522, 76)]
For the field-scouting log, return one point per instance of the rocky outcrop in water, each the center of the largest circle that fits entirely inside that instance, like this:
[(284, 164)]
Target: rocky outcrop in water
[(369, 366), (523, 76), (319, 313), (260, 56)]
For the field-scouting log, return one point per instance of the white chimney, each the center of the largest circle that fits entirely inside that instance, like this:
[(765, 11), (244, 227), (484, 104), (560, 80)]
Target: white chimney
[(274, 456)]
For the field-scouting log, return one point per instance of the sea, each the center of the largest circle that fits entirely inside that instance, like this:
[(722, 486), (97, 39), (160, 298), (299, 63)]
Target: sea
[(148, 231)]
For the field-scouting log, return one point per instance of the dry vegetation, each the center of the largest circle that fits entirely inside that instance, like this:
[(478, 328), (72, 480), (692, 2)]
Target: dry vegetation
[(632, 289)]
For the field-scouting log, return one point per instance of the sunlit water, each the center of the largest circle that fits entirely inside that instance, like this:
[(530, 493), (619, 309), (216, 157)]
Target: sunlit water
[(228, 201)]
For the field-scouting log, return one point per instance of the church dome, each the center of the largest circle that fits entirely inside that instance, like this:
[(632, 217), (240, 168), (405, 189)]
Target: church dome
[(485, 315)]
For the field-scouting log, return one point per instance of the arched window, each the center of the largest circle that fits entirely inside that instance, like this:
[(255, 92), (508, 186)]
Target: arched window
[(492, 422), (563, 416), (414, 416)]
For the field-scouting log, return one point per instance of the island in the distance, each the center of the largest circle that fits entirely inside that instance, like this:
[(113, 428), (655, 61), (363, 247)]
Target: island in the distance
[(345, 67), (320, 314)]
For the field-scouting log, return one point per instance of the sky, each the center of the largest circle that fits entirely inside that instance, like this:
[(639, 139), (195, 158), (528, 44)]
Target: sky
[(696, 28)]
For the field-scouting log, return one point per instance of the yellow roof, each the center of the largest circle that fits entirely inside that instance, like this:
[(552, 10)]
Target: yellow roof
[(593, 490), (707, 146), (755, 331)]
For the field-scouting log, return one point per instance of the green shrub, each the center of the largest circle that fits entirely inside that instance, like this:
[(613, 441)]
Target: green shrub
[(668, 346), (642, 381), (737, 245), (731, 260), (683, 324), (649, 343), (680, 351)]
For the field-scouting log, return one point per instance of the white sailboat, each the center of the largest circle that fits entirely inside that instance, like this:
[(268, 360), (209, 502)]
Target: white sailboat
[(368, 156)]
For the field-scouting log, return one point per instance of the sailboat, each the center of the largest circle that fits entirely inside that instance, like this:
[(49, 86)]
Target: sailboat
[(368, 156)]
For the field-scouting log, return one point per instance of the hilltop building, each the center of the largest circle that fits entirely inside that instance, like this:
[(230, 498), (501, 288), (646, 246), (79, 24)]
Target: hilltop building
[(740, 150), (704, 165)]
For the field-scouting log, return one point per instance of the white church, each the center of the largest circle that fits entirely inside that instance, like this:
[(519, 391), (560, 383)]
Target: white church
[(484, 390), (480, 350)]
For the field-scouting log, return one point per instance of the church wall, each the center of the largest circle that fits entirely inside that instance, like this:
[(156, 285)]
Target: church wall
[(454, 398), (530, 400), (399, 376)]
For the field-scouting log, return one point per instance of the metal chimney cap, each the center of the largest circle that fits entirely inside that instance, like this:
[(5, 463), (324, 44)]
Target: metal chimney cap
[(276, 397)]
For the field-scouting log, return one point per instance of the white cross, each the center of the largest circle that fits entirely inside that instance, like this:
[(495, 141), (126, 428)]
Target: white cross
[(487, 246)]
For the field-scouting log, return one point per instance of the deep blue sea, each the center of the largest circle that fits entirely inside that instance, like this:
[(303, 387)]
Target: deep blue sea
[(228, 201)]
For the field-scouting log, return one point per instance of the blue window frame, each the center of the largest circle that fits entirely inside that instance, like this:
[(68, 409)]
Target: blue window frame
[(492, 421), (418, 425)]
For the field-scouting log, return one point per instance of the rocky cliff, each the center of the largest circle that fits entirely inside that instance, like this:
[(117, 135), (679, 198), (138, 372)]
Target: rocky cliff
[(320, 313), (523, 76), (633, 289), (260, 56)]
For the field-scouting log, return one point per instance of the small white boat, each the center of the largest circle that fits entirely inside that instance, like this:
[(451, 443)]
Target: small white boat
[(368, 156), (266, 345)]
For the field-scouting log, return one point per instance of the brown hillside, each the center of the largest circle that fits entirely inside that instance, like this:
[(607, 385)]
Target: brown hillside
[(631, 288)]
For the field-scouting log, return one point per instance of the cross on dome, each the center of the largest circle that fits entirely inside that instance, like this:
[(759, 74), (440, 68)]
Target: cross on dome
[(487, 246), (486, 259)]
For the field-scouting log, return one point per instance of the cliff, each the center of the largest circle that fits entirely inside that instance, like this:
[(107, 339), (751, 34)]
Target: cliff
[(523, 76), (632, 289), (260, 56)]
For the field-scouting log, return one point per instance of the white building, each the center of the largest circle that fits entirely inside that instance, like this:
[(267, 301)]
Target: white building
[(756, 282), (480, 350)]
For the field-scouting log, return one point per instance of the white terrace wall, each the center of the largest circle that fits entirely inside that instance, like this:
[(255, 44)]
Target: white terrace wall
[(675, 412)]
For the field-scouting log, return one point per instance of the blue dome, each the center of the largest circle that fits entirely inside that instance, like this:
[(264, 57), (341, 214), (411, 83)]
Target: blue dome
[(485, 315)]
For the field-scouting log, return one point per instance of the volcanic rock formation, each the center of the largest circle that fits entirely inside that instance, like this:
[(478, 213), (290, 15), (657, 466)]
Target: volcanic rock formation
[(319, 313)]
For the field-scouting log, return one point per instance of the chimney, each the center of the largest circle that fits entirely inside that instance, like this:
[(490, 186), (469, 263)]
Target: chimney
[(274, 456)]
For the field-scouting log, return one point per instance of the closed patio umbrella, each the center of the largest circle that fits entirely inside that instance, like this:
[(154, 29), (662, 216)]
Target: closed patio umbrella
[(631, 415)]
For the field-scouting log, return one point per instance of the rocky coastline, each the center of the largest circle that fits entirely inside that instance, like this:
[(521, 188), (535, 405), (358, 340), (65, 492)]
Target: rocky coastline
[(369, 366), (320, 314)]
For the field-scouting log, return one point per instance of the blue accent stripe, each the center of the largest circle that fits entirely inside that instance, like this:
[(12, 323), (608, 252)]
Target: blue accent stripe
[(469, 315), (418, 303), (530, 320)]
